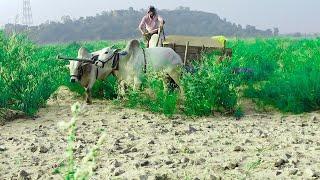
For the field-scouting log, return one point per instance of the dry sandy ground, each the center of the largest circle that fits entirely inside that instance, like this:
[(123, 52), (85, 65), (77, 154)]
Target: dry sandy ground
[(142, 145)]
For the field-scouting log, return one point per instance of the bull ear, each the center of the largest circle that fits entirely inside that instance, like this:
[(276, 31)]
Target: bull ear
[(113, 47), (132, 46)]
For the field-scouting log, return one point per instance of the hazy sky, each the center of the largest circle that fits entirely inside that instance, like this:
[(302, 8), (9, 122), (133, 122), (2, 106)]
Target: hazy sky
[(288, 15)]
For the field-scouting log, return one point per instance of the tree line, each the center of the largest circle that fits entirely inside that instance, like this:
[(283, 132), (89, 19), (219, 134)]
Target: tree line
[(123, 24)]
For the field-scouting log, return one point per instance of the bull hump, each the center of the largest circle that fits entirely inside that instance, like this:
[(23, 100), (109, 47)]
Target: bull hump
[(83, 52)]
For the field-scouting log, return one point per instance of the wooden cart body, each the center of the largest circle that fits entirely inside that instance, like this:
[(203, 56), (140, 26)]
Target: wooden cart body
[(190, 48)]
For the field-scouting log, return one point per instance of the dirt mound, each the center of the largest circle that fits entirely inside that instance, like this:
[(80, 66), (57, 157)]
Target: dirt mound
[(63, 95), (7, 115)]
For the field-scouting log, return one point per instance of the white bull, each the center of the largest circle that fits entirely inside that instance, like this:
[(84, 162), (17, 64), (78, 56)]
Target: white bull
[(127, 65)]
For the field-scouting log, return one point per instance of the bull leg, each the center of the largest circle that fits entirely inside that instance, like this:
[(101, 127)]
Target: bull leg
[(88, 96), (170, 83), (121, 89), (89, 91), (175, 74), (137, 84)]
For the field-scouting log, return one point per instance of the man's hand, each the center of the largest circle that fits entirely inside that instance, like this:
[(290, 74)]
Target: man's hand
[(145, 34)]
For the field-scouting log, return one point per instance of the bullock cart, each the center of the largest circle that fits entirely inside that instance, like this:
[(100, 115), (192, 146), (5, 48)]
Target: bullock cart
[(190, 48)]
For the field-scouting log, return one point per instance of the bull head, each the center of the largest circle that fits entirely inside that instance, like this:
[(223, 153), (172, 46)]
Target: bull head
[(76, 67), (106, 55)]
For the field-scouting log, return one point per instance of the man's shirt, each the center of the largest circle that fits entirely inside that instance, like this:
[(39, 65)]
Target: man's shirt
[(151, 25)]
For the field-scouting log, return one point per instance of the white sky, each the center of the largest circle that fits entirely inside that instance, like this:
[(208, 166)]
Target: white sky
[(288, 15)]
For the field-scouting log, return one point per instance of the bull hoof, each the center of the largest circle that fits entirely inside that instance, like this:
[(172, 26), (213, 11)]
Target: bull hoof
[(89, 102)]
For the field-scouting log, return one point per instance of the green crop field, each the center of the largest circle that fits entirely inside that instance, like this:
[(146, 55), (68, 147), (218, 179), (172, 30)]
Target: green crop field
[(279, 72)]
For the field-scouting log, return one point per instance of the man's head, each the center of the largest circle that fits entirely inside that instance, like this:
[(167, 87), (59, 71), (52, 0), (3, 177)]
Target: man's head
[(152, 11)]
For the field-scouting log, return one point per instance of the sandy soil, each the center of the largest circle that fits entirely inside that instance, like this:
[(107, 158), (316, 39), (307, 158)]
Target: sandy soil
[(142, 145)]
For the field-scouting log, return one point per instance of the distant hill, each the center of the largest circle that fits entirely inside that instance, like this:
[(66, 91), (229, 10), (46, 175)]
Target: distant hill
[(123, 24)]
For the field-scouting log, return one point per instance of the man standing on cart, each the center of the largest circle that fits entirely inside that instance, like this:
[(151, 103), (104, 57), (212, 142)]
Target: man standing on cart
[(150, 24)]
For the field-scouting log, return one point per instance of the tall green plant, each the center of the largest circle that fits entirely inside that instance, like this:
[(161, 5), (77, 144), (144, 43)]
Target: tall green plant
[(211, 88), (294, 85), (29, 78)]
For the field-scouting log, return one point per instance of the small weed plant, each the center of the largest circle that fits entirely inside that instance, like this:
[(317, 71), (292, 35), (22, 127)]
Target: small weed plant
[(70, 170)]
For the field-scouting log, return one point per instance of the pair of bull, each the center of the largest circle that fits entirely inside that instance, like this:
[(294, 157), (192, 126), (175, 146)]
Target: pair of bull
[(128, 65)]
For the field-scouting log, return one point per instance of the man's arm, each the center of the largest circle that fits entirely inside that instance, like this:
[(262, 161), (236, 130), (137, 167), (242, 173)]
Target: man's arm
[(142, 25)]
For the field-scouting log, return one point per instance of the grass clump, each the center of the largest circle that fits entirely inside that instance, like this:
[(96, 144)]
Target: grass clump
[(28, 75)]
